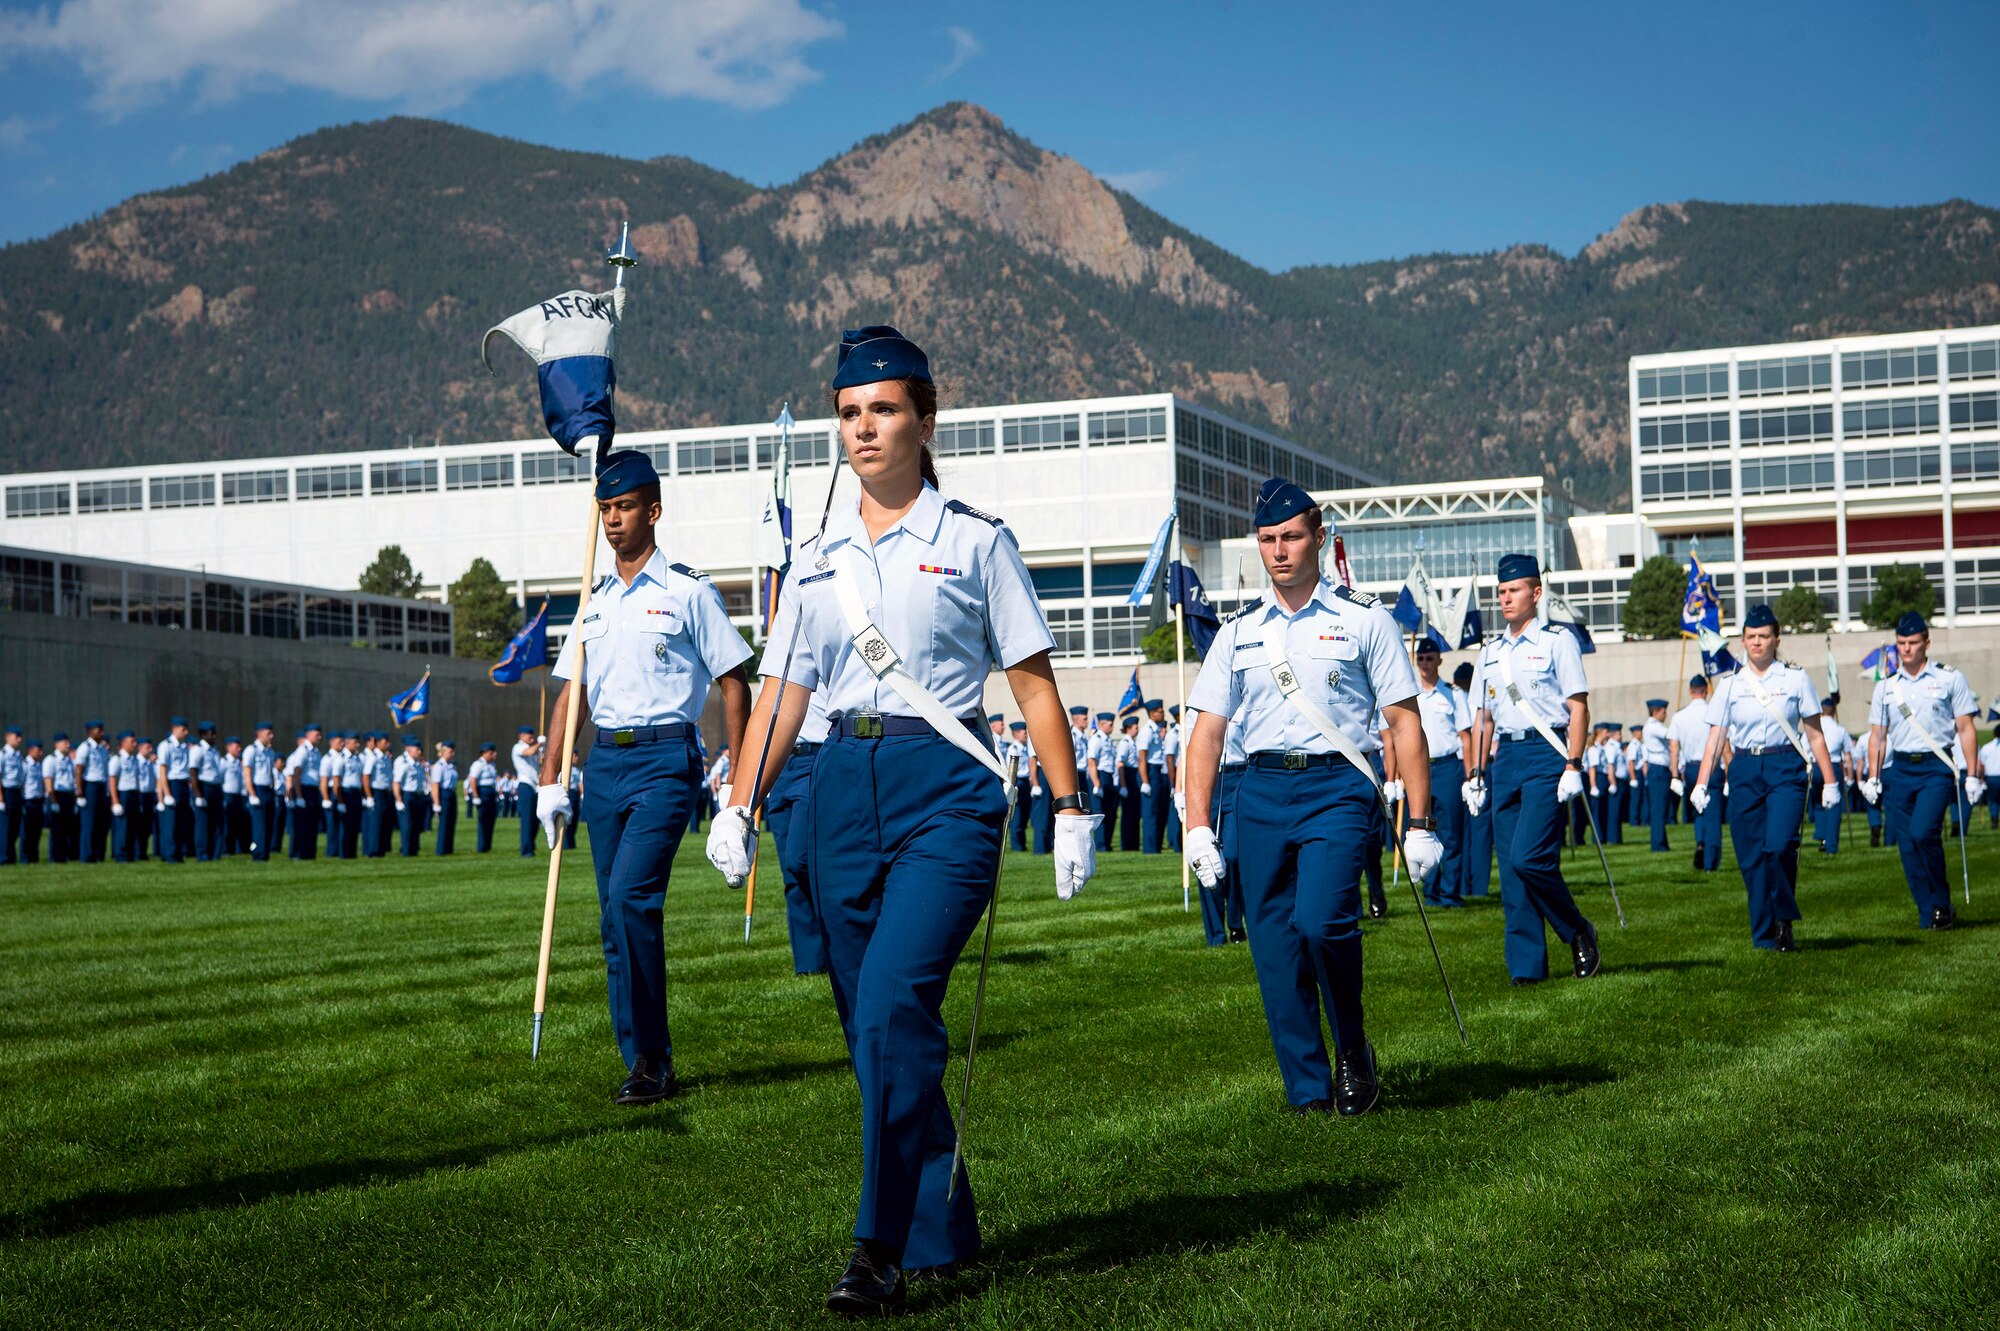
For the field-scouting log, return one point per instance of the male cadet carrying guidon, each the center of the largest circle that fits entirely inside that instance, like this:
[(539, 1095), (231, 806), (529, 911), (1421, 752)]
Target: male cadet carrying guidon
[(1912, 720), (1304, 673), (653, 636), (1531, 689)]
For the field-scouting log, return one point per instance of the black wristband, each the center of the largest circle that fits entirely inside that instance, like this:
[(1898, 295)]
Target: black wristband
[(1062, 802)]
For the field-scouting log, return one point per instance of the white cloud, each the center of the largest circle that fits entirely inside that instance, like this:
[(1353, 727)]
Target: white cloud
[(18, 132), (745, 53), (1141, 182), (964, 46)]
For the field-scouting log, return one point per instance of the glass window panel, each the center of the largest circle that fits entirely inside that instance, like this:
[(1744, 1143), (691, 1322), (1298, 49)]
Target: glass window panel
[(416, 475), (1029, 434), (963, 438), (183, 491), (708, 456), (552, 467), (1057, 580), (487, 472), (338, 482), (255, 487), (114, 496)]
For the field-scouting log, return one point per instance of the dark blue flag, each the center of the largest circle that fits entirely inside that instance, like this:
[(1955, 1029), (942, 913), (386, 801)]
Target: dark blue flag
[(1185, 594), (528, 651)]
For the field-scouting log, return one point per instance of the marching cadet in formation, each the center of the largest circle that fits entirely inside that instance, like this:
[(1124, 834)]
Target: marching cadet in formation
[(260, 769), (1447, 719), (1913, 718), (205, 783), (1098, 774), (1156, 788), (444, 798), (1609, 777), (1840, 750), (1534, 699), (1021, 754), (1656, 760), (781, 807), (93, 801), (34, 792), (332, 808), (903, 606), (380, 799), (409, 783), (235, 804), (1131, 814), (1760, 711), (352, 795), (59, 800), (1315, 675), (302, 771), (13, 793), (482, 783), (176, 802), (1476, 872), (1687, 742), (527, 777), (652, 637), (126, 778)]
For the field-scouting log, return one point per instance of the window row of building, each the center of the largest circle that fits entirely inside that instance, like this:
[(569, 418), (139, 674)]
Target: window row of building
[(1882, 418), (1864, 469), (74, 588), (1882, 367)]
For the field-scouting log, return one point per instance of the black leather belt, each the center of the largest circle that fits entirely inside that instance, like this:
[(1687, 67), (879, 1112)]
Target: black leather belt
[(870, 725), (1914, 755), (805, 748), (1763, 749), (630, 735), (1292, 760), (1516, 736)]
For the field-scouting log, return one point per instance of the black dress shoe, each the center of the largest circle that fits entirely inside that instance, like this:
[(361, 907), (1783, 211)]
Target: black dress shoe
[(1697, 857), (1943, 918), (1378, 908), (652, 1081), (1785, 943), (1523, 981), (1312, 1107), (871, 1286), (1238, 936), (1356, 1086), (1584, 945), (1874, 836)]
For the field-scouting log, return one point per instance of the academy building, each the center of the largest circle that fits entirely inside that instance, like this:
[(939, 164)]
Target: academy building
[(1083, 485)]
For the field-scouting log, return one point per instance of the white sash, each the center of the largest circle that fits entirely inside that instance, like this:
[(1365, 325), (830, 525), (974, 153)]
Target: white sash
[(879, 656), (1287, 681), (1771, 706), (1515, 696), (1896, 691)]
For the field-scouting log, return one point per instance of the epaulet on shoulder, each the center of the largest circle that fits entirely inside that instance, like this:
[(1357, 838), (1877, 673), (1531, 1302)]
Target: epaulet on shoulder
[(687, 572), (960, 506), (1243, 609), (602, 583), (1554, 627), (1362, 599), (1788, 663)]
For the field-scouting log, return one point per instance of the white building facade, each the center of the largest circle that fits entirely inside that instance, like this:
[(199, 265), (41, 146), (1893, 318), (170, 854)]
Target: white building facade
[(1083, 485)]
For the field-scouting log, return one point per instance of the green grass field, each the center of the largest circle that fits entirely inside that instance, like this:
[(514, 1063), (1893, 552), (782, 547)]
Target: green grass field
[(300, 1095)]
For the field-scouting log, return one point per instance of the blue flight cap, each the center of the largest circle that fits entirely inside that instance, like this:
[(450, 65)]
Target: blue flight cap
[(145, 739), (1831, 699), (265, 725), (1761, 616), (35, 744), (1651, 703), (177, 721), (524, 730), (13, 730), (205, 727), (1279, 500), (995, 717), (1911, 624), (489, 747), (1105, 716), (93, 725), (1513, 567), (623, 472), (410, 741), (61, 735), (1173, 711), (1017, 726), (1079, 711), (1152, 704), (1697, 681), (1130, 722), (228, 740), (876, 353), (125, 734), (448, 743)]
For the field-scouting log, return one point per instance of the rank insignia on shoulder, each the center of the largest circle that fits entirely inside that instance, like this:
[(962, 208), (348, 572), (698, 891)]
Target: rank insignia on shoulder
[(960, 506), (1362, 599), (1243, 609), (687, 572)]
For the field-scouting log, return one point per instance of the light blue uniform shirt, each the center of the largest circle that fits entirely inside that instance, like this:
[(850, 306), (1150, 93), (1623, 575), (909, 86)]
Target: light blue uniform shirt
[(232, 776), (207, 762), (60, 769), (93, 757), (175, 754), (350, 770), (1838, 741), (1936, 697), (651, 648), (1079, 742), (483, 774), (1445, 713), (304, 763), (1654, 738), (411, 775), (445, 775), (1733, 704), (128, 770), (1232, 745), (13, 767), (1548, 668), (946, 586), (1127, 752), (381, 774), (1099, 748), (263, 762), (1149, 742), (1346, 651)]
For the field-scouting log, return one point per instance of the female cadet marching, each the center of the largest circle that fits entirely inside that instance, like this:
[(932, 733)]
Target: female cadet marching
[(1761, 710), (1304, 674), (653, 635), (894, 616)]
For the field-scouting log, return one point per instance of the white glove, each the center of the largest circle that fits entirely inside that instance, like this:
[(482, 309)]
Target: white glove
[(1678, 786), (200, 802), (1392, 791), (166, 801), (1699, 798), (117, 811), (730, 849), (326, 804), (1829, 796), (256, 803), (1205, 856), (1475, 795), (1034, 792), (552, 808), (1570, 786), (1145, 787), (1871, 790), (1975, 790), (722, 800), (367, 801), (1180, 803), (1076, 851), (1422, 851), (1725, 788)]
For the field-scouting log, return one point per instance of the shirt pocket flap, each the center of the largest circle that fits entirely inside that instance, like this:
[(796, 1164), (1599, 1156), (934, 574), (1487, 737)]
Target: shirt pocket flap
[(593, 627), (1249, 656)]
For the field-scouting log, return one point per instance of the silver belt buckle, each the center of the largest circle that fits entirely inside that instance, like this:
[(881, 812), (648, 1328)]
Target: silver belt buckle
[(624, 739), (1295, 760), (866, 724)]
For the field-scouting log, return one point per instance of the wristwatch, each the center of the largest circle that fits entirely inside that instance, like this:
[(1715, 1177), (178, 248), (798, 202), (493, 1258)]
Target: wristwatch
[(1062, 802), (1428, 824)]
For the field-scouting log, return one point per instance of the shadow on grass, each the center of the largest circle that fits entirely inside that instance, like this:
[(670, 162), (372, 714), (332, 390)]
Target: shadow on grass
[(1170, 1223), (1676, 964), (94, 1210), (770, 1074), (1843, 942), (1446, 1085), (1023, 956)]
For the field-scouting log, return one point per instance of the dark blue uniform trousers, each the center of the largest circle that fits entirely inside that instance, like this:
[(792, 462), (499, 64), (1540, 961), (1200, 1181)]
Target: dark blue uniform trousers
[(1301, 847), (93, 807), (177, 829), (489, 813), (305, 824), (1770, 794), (1708, 823), (263, 813), (410, 823), (524, 804), (1527, 830), (1448, 806), (445, 842), (1017, 829), (351, 821), (1916, 790), (1045, 814), (905, 835), (637, 800), (1656, 803), (1159, 807), (787, 797), (1476, 862), (1826, 822), (1222, 905)]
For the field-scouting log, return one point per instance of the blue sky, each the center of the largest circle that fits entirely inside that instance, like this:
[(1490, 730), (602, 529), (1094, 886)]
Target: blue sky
[(1287, 134)]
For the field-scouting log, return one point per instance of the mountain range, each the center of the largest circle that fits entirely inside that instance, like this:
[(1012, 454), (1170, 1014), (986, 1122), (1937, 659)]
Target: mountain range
[(330, 295)]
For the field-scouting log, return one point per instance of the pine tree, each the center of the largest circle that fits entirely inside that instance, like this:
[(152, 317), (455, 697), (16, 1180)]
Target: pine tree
[(1653, 606), (391, 575), (484, 615), (1799, 610), (1899, 589)]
